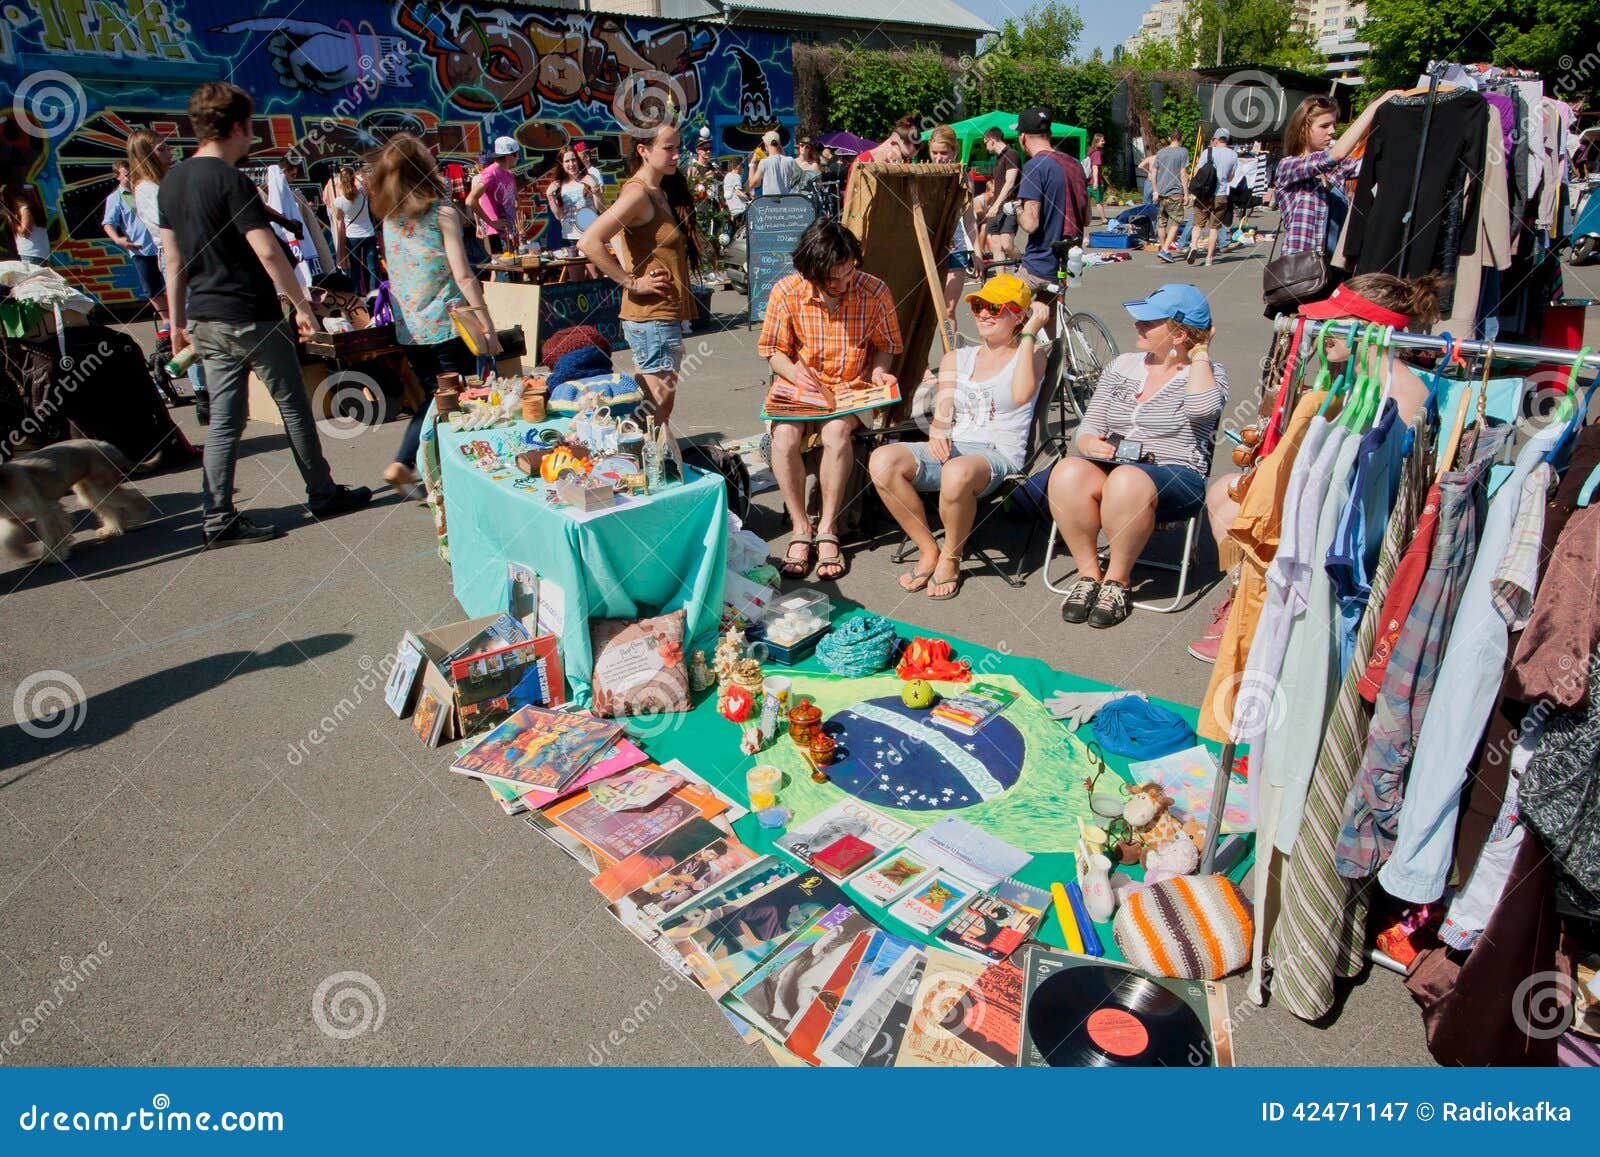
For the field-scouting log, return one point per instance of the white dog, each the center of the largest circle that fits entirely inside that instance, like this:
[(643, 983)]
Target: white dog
[(32, 486)]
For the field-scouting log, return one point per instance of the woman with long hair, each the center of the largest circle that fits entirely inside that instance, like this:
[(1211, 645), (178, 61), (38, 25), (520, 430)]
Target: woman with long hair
[(653, 220), (575, 199), (355, 235), (428, 275), (25, 216), (1310, 177)]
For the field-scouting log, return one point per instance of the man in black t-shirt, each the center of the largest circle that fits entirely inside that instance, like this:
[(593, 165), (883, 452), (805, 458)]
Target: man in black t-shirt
[(225, 270), (1000, 224)]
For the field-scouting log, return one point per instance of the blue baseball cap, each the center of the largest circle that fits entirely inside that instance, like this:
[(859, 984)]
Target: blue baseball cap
[(1180, 303)]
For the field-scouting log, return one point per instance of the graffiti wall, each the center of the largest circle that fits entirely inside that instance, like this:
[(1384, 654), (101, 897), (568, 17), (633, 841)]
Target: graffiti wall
[(333, 80)]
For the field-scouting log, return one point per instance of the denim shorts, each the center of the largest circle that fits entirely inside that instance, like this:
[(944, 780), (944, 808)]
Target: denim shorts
[(148, 269), (961, 259), (1180, 490), (657, 345), (930, 469)]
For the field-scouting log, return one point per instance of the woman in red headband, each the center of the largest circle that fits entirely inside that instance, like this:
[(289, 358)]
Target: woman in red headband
[(1377, 298)]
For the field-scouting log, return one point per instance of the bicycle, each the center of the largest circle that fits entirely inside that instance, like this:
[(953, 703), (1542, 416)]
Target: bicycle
[(1087, 345)]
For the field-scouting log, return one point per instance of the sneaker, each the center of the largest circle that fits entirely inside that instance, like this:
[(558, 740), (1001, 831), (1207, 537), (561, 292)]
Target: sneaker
[(1192, 254), (343, 501), (1080, 599), (1208, 263), (1168, 255), (240, 530), (400, 476), (1111, 607), (1205, 648)]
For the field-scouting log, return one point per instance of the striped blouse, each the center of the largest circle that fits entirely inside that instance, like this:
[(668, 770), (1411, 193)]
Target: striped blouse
[(1177, 428)]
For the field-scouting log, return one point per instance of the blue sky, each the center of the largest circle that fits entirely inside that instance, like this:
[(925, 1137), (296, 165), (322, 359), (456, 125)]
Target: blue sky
[(1105, 24)]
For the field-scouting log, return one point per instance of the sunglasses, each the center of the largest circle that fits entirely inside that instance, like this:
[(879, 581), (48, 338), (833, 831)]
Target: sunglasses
[(980, 306)]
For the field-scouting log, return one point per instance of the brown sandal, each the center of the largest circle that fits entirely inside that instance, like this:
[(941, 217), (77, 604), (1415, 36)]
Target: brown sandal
[(838, 561), (798, 568)]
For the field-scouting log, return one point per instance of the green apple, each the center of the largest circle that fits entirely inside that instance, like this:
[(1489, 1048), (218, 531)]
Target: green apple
[(918, 694)]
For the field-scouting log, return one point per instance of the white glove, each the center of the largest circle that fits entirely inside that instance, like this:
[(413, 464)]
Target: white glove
[(1078, 708)]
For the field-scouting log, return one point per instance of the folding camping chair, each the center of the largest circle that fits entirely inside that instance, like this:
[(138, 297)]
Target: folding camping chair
[(1191, 537), (1037, 453)]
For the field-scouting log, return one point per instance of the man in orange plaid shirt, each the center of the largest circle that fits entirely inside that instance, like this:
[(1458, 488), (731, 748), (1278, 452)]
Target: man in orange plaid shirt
[(828, 325)]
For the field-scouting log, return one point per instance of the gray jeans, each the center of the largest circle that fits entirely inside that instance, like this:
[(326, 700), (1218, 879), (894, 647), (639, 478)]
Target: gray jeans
[(231, 350)]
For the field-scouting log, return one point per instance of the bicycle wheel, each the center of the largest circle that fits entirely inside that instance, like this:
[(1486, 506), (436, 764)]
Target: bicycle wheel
[(1090, 349)]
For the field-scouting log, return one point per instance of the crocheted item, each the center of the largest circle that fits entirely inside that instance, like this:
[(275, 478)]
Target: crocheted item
[(582, 362), (574, 337), (1197, 927), (861, 646)]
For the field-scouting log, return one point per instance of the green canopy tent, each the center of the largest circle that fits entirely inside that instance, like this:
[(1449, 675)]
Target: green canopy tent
[(970, 132)]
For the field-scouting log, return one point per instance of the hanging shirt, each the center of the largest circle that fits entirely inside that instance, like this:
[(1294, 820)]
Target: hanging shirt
[(1468, 684), (1476, 902), (1355, 544)]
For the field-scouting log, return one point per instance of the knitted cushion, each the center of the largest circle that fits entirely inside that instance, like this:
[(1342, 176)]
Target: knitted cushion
[(1195, 927)]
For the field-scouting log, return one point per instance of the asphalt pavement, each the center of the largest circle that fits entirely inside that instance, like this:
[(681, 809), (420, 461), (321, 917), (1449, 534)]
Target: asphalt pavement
[(234, 854)]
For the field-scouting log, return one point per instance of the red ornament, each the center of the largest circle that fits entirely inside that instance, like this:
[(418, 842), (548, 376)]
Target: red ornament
[(737, 704)]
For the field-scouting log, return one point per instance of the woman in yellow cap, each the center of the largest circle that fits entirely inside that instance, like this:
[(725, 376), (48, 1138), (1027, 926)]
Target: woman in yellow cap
[(979, 433)]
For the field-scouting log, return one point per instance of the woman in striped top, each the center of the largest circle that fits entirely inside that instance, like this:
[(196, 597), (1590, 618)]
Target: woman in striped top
[(1146, 441)]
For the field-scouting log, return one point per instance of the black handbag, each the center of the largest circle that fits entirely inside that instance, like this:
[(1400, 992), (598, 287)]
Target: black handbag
[(1292, 279)]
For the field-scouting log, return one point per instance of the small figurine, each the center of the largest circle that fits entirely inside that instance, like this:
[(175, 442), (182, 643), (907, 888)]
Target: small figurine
[(735, 703), (750, 741), (723, 661), (700, 676)]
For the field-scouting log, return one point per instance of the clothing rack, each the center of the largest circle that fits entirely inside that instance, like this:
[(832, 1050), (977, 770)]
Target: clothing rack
[(1403, 339)]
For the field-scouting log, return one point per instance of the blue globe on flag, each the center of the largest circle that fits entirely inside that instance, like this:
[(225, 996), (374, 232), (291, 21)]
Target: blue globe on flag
[(893, 756)]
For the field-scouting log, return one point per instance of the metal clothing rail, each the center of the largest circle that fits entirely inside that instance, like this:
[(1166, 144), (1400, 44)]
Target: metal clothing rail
[(1405, 339)]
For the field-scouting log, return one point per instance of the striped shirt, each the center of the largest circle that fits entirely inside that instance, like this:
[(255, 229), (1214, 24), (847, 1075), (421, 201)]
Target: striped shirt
[(836, 343), (1177, 428)]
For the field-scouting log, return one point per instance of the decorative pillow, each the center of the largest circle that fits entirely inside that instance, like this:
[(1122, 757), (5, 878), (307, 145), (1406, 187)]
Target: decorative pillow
[(1194, 927), (639, 667)]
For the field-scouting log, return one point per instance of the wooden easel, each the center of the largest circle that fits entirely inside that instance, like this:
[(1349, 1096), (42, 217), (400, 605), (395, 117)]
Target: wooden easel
[(892, 207)]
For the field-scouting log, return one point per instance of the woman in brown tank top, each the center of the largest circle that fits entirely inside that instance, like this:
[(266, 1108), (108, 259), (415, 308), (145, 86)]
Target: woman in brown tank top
[(654, 217)]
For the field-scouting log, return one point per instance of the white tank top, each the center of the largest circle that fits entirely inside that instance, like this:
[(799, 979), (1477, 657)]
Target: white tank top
[(984, 411)]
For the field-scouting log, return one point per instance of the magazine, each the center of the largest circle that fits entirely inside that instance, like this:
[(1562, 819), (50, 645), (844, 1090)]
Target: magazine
[(988, 1017), (723, 940), (779, 989), (617, 835), (808, 1028), (650, 861), (932, 902), (634, 789), (848, 817), (538, 747), (881, 956), (862, 1034), (888, 1030), (890, 878), (788, 401), (969, 852), (945, 981), (996, 923), (403, 675), (720, 860)]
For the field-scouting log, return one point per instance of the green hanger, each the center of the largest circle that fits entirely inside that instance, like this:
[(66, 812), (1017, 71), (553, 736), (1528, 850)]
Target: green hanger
[(1350, 417), (1565, 407), (1324, 378)]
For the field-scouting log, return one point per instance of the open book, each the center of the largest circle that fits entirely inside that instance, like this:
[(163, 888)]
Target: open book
[(789, 401)]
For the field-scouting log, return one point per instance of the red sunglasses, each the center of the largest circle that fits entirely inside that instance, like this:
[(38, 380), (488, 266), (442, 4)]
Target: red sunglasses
[(979, 305)]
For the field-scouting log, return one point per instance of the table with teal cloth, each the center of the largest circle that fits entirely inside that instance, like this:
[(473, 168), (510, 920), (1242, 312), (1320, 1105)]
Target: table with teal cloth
[(653, 555)]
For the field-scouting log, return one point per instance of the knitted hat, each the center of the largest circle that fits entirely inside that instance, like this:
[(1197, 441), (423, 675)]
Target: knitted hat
[(1196, 927)]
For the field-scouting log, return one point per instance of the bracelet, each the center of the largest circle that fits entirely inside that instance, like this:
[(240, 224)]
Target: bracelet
[(1026, 334)]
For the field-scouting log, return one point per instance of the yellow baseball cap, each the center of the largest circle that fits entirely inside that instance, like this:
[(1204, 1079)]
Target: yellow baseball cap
[(1004, 289)]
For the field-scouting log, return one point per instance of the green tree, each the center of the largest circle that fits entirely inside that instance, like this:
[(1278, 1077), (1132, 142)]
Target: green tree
[(1547, 36), (1050, 30), (1253, 32), (1180, 111), (870, 89)]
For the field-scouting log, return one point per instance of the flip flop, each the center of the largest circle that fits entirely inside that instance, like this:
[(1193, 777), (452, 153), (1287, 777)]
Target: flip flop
[(954, 580), (838, 561), (798, 568), (916, 586)]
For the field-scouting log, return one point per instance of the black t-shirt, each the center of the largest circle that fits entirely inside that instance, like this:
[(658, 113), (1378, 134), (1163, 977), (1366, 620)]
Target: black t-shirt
[(211, 205), (1005, 162)]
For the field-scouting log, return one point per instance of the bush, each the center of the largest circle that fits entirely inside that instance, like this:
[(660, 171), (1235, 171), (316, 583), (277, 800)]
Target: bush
[(868, 90)]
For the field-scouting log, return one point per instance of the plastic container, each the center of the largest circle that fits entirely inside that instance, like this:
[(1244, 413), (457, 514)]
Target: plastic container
[(792, 625), (1105, 239)]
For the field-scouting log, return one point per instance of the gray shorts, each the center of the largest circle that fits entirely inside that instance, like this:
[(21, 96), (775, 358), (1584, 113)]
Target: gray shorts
[(1006, 223)]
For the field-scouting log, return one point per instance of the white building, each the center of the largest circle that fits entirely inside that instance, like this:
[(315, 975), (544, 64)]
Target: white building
[(1160, 23), (1336, 25)]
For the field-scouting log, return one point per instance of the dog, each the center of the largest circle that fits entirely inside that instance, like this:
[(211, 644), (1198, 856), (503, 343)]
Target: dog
[(32, 486)]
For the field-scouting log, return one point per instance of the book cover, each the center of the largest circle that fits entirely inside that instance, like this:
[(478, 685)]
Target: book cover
[(723, 941), (397, 692), (429, 718), (539, 747), (807, 1030), (522, 596), (848, 817), (968, 851), (995, 924), (988, 1017), (634, 789), (720, 860), (789, 401), (649, 862), (890, 878), (736, 810), (774, 993), (620, 756), (884, 1030), (502, 631), (617, 835), (514, 669), (932, 902), (755, 880), (945, 981), (844, 855), (879, 961), (968, 710)]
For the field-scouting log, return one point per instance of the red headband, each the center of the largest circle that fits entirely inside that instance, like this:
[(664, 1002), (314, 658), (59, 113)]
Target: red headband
[(1346, 302)]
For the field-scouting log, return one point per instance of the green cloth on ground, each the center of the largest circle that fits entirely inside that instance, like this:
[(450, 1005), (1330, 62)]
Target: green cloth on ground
[(656, 554), (1052, 778)]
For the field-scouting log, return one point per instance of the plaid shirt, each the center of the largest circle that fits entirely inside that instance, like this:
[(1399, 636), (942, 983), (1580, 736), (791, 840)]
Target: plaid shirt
[(1372, 809), (1302, 184), (836, 343)]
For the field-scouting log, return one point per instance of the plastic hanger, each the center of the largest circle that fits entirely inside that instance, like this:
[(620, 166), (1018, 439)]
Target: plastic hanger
[(1589, 486), (1447, 455), (1324, 378), (1356, 405), (1567, 412)]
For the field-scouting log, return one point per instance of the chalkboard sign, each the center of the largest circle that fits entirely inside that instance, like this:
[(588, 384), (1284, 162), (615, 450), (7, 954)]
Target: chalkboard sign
[(593, 303), (774, 226)]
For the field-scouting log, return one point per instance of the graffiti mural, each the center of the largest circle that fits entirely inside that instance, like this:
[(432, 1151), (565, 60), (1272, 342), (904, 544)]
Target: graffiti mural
[(333, 81)]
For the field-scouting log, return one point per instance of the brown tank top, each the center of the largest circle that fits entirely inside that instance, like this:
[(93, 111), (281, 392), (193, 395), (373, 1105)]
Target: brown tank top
[(658, 242)]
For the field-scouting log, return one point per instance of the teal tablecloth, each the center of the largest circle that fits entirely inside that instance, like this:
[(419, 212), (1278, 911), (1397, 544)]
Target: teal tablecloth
[(655, 554)]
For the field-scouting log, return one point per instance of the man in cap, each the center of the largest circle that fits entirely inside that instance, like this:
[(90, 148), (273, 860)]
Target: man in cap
[(492, 200), (1055, 202), (1214, 213)]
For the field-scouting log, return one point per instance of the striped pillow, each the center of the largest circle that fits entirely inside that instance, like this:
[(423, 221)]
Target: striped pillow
[(1195, 927)]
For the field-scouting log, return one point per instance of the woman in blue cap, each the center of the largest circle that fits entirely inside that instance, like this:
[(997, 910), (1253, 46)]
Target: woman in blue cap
[(1145, 444)]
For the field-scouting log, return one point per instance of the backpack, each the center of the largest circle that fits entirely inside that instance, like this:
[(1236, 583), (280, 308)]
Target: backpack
[(713, 459), (1204, 182)]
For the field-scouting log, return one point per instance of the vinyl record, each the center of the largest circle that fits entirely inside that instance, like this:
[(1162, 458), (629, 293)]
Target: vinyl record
[(1104, 1017)]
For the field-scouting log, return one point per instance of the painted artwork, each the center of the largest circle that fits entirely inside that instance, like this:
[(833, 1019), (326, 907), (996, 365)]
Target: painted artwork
[(334, 81)]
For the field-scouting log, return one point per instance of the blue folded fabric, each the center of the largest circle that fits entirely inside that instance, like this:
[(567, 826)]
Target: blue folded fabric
[(1140, 729), (587, 362)]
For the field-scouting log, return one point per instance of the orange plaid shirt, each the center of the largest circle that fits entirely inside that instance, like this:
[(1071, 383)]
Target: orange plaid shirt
[(836, 343)]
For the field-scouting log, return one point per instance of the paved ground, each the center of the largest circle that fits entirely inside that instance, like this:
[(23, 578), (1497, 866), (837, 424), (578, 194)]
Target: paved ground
[(181, 874)]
